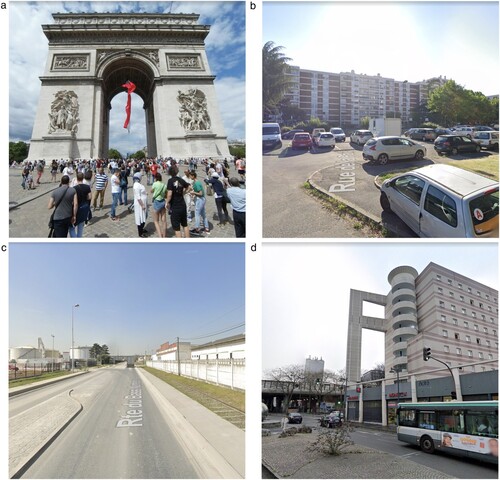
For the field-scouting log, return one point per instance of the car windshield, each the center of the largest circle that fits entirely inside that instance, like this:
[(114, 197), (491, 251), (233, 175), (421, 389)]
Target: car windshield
[(301, 136), (482, 135), (484, 212), (270, 130), (337, 130), (326, 135)]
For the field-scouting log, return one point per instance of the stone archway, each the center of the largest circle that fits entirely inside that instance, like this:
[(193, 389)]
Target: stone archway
[(91, 56)]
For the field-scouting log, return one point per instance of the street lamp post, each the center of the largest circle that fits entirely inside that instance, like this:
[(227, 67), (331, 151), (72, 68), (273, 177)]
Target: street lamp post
[(396, 371), (73, 337), (52, 352)]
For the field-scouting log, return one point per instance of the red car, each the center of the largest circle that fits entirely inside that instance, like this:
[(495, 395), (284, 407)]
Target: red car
[(301, 140)]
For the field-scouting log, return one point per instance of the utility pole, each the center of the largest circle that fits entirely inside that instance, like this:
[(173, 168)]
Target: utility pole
[(52, 352), (178, 358), (73, 337)]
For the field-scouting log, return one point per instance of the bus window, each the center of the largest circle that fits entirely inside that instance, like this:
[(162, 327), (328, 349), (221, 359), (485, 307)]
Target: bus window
[(481, 423), (427, 420), (451, 421), (407, 418)]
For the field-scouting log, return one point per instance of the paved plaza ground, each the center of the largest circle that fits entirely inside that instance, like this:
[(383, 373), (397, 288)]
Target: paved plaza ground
[(29, 215)]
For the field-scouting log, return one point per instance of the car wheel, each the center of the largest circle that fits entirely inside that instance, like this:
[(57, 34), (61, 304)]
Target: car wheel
[(419, 155), (478, 148), (454, 151), (382, 159), (384, 202), (427, 444)]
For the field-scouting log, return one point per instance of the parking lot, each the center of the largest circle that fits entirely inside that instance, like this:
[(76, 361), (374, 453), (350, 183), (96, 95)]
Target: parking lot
[(342, 172)]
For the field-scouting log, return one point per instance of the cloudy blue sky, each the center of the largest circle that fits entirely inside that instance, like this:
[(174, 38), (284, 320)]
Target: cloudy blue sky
[(133, 296), (402, 40), (225, 46)]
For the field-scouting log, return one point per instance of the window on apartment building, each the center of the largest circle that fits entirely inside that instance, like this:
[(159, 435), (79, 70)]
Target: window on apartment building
[(488, 343), (483, 317), (445, 333), (460, 286), (473, 314), (494, 332), (478, 293), (485, 330), (478, 341), (440, 290), (457, 336), (490, 356), (462, 298), (492, 320), (480, 355), (453, 308), (464, 311), (481, 305), (449, 282), (466, 324), (469, 289), (471, 302), (489, 309), (441, 304), (467, 338), (438, 277), (446, 349), (459, 351), (455, 321), (452, 294), (469, 353), (476, 328)]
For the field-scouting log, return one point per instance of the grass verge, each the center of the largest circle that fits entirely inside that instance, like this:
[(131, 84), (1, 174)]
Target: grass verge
[(26, 381), (197, 390), (483, 166), (343, 210)]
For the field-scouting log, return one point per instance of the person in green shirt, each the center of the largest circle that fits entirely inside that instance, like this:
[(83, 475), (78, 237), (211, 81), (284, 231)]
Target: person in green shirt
[(199, 205), (159, 192)]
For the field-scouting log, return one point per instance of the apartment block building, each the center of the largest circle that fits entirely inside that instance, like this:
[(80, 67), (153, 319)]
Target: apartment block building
[(456, 316), (345, 98)]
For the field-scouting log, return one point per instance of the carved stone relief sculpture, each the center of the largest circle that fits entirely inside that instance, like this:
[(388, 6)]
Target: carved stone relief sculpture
[(63, 116), (70, 62), (184, 62), (193, 113)]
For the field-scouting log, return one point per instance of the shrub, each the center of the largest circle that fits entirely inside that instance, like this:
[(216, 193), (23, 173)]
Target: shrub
[(332, 441)]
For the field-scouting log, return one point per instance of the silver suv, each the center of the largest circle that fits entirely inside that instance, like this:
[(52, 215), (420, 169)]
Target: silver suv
[(443, 201), (383, 149)]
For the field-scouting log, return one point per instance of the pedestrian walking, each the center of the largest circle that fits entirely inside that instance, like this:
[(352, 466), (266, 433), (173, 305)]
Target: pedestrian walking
[(176, 189), (65, 204), (100, 184), (200, 200), (39, 169), (219, 196), (158, 193), (83, 196), (53, 170), (140, 204), (123, 185), (115, 194), (187, 196), (238, 196)]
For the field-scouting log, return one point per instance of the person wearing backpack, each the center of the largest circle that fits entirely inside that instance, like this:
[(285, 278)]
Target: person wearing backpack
[(220, 198)]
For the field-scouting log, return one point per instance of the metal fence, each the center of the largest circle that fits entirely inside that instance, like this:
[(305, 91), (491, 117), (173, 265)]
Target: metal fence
[(229, 372), (31, 370)]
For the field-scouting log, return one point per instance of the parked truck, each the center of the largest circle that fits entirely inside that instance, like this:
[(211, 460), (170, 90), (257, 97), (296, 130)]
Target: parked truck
[(381, 127)]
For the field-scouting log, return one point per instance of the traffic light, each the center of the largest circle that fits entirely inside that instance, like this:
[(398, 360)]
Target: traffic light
[(427, 353)]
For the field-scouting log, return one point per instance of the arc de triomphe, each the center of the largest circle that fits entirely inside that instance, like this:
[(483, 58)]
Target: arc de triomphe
[(91, 56)]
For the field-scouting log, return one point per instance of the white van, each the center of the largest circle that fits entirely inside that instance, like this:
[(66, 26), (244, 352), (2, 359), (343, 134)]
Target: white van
[(271, 136), (487, 139), (443, 201)]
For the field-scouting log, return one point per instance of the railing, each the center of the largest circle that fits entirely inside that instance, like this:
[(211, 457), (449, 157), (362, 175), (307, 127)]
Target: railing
[(32, 370), (229, 372)]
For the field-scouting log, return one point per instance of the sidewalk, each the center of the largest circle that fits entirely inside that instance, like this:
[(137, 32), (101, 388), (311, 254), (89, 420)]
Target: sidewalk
[(33, 386), (29, 215), (288, 457), (216, 446)]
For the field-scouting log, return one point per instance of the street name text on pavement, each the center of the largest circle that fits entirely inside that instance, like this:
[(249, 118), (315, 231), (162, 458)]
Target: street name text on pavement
[(132, 417), (347, 178)]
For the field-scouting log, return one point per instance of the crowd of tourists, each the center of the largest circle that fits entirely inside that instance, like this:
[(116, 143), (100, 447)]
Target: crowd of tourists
[(165, 189)]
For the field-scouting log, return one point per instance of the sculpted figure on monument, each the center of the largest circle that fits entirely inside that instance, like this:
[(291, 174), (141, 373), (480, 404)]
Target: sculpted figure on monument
[(193, 113), (63, 116)]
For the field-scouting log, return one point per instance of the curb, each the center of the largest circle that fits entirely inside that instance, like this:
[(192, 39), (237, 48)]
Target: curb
[(368, 216), (38, 385), (23, 466)]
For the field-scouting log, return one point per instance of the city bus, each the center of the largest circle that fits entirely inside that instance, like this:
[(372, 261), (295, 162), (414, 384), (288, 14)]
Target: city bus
[(465, 429)]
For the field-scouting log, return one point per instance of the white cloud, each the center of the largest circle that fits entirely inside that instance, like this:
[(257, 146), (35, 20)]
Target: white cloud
[(231, 96)]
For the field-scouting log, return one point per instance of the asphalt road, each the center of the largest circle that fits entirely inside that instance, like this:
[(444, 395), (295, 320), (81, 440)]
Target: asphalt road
[(288, 211), (457, 467), (110, 438)]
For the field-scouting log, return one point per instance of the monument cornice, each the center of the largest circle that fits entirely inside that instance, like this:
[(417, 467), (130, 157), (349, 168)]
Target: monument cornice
[(125, 18)]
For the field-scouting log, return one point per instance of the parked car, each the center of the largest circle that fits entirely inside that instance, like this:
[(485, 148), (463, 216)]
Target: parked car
[(383, 149), (455, 144), (294, 418), (431, 135), (487, 139), (316, 132), (338, 133), (463, 130), (419, 133), (271, 136), (289, 135), (330, 421), (325, 139), (301, 140), (361, 136), (483, 128), (443, 201)]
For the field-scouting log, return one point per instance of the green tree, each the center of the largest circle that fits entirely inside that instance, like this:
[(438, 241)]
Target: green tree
[(18, 151), (105, 357), (113, 153), (275, 81), (291, 114), (449, 102), (364, 122), (238, 151), (138, 155)]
